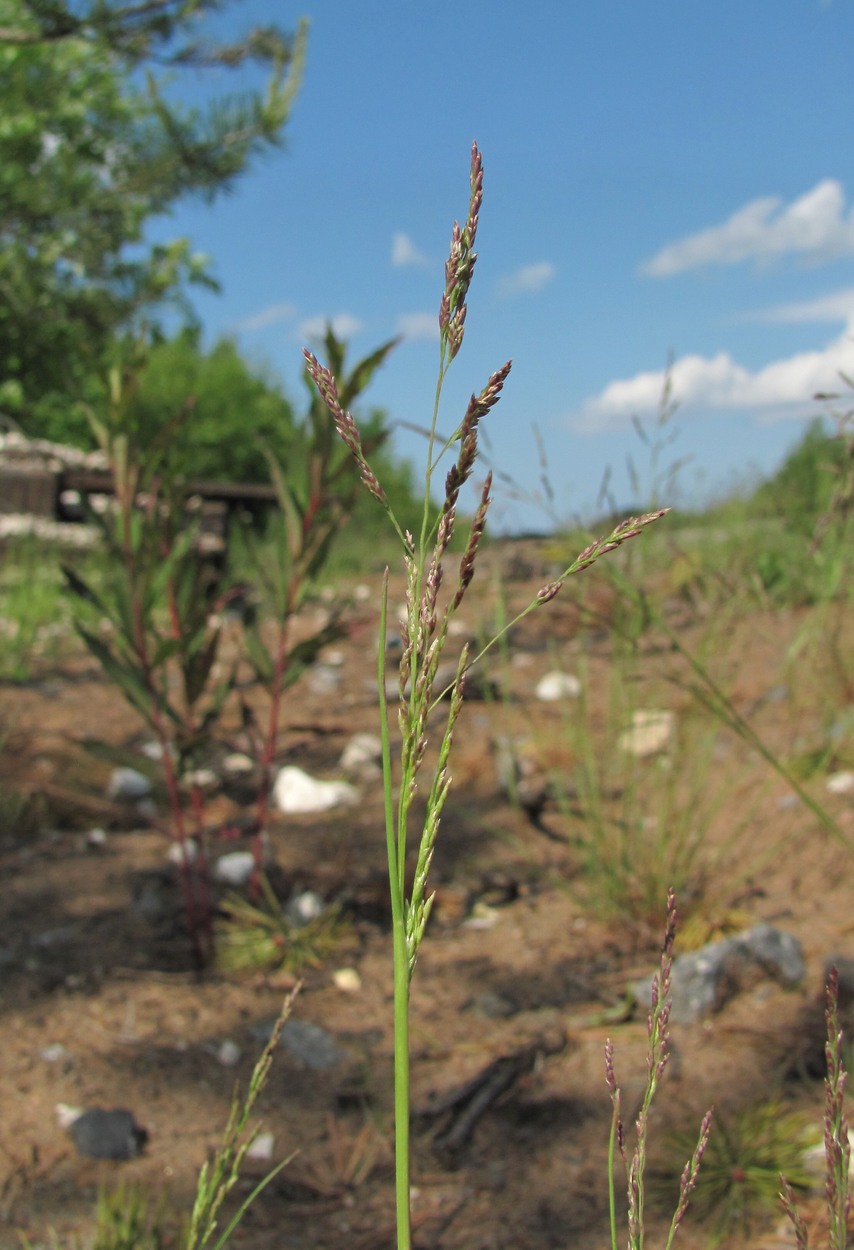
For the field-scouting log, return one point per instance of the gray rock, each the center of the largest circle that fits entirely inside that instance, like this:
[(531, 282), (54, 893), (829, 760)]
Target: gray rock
[(704, 980), (308, 1043), (101, 1134), (127, 785)]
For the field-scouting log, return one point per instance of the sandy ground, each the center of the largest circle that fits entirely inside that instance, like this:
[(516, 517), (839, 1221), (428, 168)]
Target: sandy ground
[(100, 1005)]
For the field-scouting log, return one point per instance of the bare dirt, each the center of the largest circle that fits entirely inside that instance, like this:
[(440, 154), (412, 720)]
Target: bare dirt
[(100, 1004)]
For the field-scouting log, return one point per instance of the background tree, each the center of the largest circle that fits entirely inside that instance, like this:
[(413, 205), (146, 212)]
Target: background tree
[(91, 148)]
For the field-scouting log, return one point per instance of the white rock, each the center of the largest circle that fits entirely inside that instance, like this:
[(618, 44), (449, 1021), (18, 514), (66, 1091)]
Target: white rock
[(66, 1114), (555, 686), (649, 733), (237, 764), (55, 1052), (840, 783), (304, 907), (228, 1053), (261, 1147), (177, 852), (235, 868), (126, 785), (347, 979), (363, 750), (96, 839), (362, 592), (204, 779), (324, 679), (295, 791)]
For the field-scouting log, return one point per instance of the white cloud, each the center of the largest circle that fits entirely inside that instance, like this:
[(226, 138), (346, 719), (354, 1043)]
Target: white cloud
[(780, 390), (272, 315), (838, 307), (527, 279), (815, 225), (419, 327), (404, 253), (344, 326)]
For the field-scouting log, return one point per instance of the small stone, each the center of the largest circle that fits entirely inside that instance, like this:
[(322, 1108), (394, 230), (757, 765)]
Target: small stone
[(556, 686), (482, 917), (96, 839), (204, 779), (235, 868), (126, 785), (650, 733), (101, 1134), (840, 783), (363, 752), (55, 1053), (347, 979), (236, 764), (362, 592), (304, 907), (324, 679), (311, 1045), (295, 791), (179, 853), (261, 1147), (228, 1053)]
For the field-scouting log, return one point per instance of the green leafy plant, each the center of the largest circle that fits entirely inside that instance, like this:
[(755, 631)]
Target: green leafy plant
[(316, 493), (154, 620), (151, 625), (429, 613)]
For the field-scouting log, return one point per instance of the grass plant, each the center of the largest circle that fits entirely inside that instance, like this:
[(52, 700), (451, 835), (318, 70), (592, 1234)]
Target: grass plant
[(127, 1219), (261, 937), (425, 742), (35, 621), (837, 1141), (635, 1164), (219, 1175), (641, 824), (746, 1155)]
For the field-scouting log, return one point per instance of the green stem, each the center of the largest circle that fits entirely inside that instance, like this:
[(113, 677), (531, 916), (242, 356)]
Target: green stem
[(612, 1202), (400, 958), (401, 1084)]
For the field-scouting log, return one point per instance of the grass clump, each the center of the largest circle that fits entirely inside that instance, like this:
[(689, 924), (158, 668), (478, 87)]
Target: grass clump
[(127, 1219), (746, 1155), (261, 937)]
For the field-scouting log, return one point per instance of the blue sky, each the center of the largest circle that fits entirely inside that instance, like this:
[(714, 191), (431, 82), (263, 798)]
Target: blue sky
[(660, 178)]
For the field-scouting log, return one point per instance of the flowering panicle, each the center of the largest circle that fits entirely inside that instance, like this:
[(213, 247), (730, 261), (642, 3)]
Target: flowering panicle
[(475, 535), (459, 267), (344, 423), (478, 407)]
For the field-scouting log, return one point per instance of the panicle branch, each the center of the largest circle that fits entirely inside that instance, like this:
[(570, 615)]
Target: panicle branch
[(459, 267), (345, 424)]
